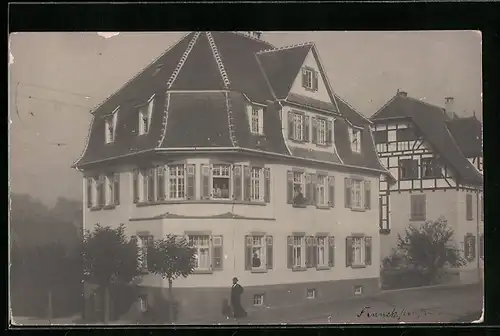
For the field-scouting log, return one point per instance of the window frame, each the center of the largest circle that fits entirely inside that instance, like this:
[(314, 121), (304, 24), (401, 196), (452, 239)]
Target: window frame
[(429, 163), (259, 180), (308, 74), (325, 186), (362, 251), (227, 177), (298, 122), (416, 216), (260, 301), (311, 290), (326, 247), (321, 131), (360, 205), (404, 168), (177, 178), (263, 247), (197, 248), (302, 246), (355, 139)]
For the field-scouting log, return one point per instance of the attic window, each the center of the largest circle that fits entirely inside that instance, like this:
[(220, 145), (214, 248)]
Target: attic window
[(110, 126), (309, 79), (355, 139), (145, 113), (256, 120)]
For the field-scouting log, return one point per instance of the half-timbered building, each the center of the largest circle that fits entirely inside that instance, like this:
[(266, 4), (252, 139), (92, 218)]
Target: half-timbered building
[(436, 158), (244, 149)]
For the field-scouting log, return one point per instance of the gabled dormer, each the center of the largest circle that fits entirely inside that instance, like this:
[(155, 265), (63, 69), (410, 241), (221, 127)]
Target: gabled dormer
[(110, 126), (145, 114), (355, 139)]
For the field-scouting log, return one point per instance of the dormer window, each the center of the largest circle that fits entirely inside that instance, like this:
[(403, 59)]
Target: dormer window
[(355, 139), (110, 126), (145, 113), (309, 79), (256, 119)]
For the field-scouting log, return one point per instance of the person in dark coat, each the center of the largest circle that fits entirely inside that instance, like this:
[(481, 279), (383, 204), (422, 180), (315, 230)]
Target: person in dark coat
[(236, 291)]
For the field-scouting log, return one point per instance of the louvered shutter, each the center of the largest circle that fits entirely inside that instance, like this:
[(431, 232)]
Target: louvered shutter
[(468, 207), (248, 252), (315, 81), (314, 130), (306, 128), (289, 187), (329, 132), (217, 253), (247, 183), (290, 125), (331, 191), (116, 189), (368, 250), (466, 247), (348, 251), (102, 191), (289, 252), (331, 251), (135, 185), (314, 182), (151, 184), (315, 251), (309, 252), (237, 184), (347, 193), (473, 244), (90, 183), (368, 195), (205, 181), (304, 78), (269, 252), (309, 189), (267, 185), (190, 181), (160, 179)]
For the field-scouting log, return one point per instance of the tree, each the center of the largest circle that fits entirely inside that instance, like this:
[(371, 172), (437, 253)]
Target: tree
[(171, 258), (109, 258), (429, 248)]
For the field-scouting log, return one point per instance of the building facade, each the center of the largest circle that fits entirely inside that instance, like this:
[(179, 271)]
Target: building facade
[(245, 150), (436, 158)]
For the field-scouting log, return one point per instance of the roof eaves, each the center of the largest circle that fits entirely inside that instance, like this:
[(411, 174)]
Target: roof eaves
[(141, 71), (77, 161), (164, 120), (325, 77), (182, 60)]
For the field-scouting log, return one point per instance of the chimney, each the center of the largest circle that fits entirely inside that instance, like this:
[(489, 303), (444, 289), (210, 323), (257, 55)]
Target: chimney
[(254, 34), (402, 93), (449, 107)]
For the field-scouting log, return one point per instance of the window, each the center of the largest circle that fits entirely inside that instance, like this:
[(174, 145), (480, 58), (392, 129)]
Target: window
[(380, 137), (220, 181), (256, 120), (176, 181), (143, 303), (256, 184), (358, 290), (91, 194), (358, 251), (430, 168), (201, 245), (408, 169), (144, 241), (322, 246), (321, 138), (405, 134), (355, 139), (145, 113), (258, 252), (110, 189), (298, 252), (322, 131), (470, 247), (147, 177), (468, 207), (311, 293), (418, 207), (110, 126), (357, 192), (258, 299), (298, 188), (309, 79), (321, 190), (298, 126)]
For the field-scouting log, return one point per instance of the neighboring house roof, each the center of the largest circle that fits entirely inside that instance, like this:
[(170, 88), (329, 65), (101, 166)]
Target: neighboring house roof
[(433, 122), (201, 90), (467, 134)]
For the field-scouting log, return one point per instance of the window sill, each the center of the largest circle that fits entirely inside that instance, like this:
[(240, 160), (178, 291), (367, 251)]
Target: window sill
[(95, 208), (358, 209), (326, 145), (298, 141), (207, 201), (417, 219), (323, 207), (358, 266), (385, 231), (258, 270), (323, 268), (299, 205), (299, 269), (109, 207), (202, 272)]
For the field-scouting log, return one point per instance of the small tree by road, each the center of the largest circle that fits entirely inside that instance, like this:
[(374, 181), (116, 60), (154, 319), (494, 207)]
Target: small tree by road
[(109, 257), (171, 258), (426, 250)]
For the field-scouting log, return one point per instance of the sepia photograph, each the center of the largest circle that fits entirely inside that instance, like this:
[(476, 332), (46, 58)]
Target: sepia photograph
[(245, 177)]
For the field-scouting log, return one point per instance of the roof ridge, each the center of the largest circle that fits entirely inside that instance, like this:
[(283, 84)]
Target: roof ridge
[(182, 60), (232, 135), (164, 120), (297, 45), (218, 59), (383, 107), (426, 103), (252, 38)]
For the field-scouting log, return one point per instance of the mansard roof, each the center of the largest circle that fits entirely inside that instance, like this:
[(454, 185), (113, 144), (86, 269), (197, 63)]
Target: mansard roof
[(433, 123), (201, 87)]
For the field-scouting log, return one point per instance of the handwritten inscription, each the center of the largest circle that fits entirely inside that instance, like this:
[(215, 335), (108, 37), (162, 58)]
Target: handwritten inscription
[(395, 314)]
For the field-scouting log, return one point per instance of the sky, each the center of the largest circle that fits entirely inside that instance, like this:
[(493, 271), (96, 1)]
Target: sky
[(57, 78)]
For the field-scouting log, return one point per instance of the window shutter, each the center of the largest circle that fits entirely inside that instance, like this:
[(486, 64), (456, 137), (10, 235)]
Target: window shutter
[(205, 181), (368, 195), (116, 189), (314, 130), (314, 182), (290, 125), (246, 183), (261, 121), (267, 185), (248, 252), (315, 251), (466, 246), (190, 181), (309, 252), (348, 251), (289, 252), (135, 185), (309, 189), (315, 81), (368, 250), (217, 253), (331, 191), (89, 192), (329, 132), (468, 206), (160, 180), (102, 190), (269, 252), (237, 183), (348, 187), (331, 251), (473, 239), (289, 187), (306, 128), (304, 78), (151, 184)]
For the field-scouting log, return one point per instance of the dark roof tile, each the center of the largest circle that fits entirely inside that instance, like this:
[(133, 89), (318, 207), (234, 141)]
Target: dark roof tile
[(467, 135), (311, 102), (314, 154)]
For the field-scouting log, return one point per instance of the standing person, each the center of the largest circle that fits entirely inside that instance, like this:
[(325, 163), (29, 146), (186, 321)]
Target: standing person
[(236, 291)]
